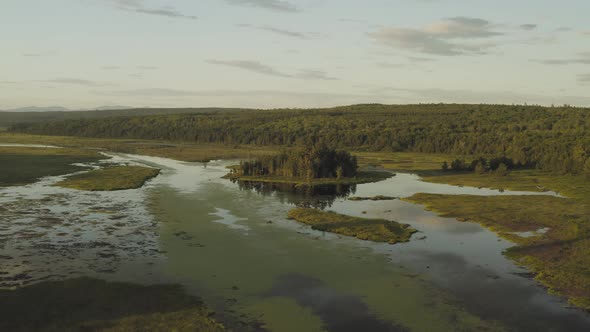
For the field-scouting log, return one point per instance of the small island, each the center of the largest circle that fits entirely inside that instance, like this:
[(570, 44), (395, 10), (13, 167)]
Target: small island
[(110, 178), (318, 165), (377, 230)]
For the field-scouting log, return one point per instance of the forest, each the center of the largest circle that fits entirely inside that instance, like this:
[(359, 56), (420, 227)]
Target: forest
[(556, 139), (311, 163)]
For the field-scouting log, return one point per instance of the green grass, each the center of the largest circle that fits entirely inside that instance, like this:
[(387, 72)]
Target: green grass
[(86, 304), (560, 258), (110, 178), (377, 230), (362, 177), (20, 165)]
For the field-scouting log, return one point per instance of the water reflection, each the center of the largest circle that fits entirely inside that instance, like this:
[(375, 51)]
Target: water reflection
[(319, 196)]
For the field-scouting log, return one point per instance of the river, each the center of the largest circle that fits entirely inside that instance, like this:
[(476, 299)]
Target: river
[(233, 246)]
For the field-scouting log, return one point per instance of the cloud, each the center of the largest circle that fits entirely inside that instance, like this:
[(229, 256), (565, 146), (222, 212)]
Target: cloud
[(528, 27), (76, 81), (138, 6), (584, 78), (253, 66), (283, 32), (260, 68), (582, 58), (275, 5), (110, 67), (448, 37), (309, 74)]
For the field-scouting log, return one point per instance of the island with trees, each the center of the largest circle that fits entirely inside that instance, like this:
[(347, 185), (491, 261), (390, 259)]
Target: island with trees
[(318, 165)]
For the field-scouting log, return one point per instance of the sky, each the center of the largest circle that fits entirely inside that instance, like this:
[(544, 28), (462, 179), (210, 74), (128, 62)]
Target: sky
[(84, 54)]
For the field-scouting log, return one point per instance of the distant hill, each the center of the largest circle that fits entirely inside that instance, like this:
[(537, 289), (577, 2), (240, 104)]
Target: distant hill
[(58, 113)]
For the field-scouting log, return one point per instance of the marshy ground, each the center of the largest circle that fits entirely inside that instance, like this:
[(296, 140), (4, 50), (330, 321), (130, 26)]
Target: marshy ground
[(377, 230)]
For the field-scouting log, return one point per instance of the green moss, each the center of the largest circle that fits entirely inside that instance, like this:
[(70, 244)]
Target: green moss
[(23, 165), (86, 304), (378, 230), (560, 257), (111, 178)]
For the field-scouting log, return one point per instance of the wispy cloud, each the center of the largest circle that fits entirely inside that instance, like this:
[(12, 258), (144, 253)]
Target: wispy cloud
[(582, 58), (309, 74), (260, 68), (528, 27), (275, 5), (453, 36), (76, 81), (138, 6), (584, 78), (253, 66), (279, 31)]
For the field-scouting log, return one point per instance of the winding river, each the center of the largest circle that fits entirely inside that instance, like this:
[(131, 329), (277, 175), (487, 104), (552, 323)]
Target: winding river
[(233, 246)]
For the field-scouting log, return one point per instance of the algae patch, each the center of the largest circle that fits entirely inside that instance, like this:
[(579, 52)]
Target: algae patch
[(377, 230)]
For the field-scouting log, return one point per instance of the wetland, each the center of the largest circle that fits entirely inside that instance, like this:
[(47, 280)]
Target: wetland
[(231, 256)]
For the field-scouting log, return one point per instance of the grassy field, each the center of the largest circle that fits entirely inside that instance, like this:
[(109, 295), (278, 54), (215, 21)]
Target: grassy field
[(378, 230), (86, 304), (20, 165), (110, 178)]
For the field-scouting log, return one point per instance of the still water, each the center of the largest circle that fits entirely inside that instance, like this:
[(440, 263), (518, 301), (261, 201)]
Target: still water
[(231, 244)]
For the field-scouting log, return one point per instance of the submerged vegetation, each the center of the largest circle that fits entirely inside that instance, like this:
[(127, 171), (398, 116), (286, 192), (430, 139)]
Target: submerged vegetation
[(25, 165), (378, 230), (110, 178), (86, 304)]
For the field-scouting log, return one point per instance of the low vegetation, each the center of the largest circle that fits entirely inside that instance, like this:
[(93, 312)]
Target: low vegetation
[(24, 165), (560, 257), (86, 304), (374, 198), (110, 178), (377, 230)]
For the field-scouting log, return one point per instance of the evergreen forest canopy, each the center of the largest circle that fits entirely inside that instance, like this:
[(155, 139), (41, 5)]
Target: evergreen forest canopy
[(311, 163), (550, 138)]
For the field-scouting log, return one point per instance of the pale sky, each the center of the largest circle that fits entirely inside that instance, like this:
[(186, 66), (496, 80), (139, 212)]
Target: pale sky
[(295, 53)]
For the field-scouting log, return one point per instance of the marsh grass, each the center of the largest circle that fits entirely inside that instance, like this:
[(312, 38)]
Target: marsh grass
[(560, 257), (23, 165), (377, 230), (110, 178), (174, 150), (86, 304)]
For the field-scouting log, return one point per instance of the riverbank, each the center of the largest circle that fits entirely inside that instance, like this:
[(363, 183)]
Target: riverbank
[(110, 178)]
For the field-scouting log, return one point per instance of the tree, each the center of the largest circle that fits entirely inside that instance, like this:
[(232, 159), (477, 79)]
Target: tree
[(502, 170), (445, 166)]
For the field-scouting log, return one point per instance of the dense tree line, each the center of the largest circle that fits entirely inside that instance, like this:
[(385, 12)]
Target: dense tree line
[(551, 138), (312, 163)]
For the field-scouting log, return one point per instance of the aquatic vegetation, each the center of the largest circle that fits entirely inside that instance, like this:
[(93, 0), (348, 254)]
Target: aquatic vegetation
[(86, 304), (559, 258), (374, 198), (24, 165), (378, 230), (110, 178)]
